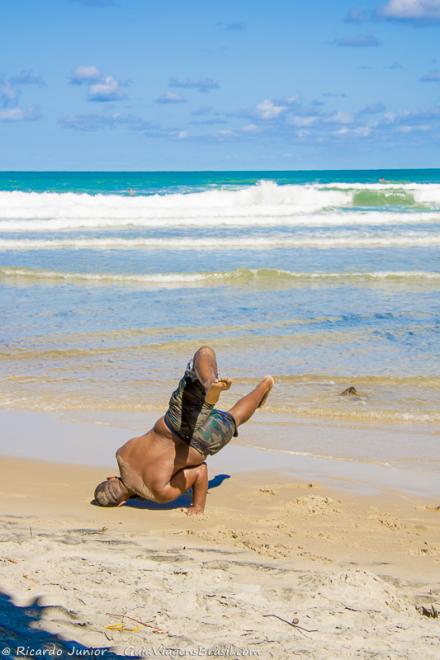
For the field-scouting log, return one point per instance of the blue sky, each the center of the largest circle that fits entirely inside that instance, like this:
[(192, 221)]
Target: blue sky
[(196, 85)]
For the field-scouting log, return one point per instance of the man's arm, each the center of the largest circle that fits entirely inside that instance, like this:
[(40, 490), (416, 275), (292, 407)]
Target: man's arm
[(200, 491)]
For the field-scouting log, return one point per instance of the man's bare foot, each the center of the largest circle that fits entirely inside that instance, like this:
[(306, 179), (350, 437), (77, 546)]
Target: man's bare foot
[(269, 382), (216, 388)]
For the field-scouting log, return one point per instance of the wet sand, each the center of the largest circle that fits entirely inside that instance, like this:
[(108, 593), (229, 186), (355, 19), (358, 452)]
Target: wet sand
[(353, 562), (363, 459)]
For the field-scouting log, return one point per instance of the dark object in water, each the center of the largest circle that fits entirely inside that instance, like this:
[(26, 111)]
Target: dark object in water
[(350, 391)]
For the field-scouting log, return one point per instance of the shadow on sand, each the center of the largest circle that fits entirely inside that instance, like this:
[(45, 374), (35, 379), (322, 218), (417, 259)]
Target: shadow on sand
[(182, 501), (22, 634)]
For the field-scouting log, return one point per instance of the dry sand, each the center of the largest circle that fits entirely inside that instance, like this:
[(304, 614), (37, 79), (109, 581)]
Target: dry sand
[(352, 570)]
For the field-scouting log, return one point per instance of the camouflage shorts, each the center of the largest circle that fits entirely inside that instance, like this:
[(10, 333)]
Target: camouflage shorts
[(196, 422)]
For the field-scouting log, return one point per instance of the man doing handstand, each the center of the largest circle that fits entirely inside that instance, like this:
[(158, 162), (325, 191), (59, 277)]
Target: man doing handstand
[(170, 458)]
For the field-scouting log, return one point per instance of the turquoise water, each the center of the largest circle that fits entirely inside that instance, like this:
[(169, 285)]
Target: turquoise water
[(109, 281), (147, 183)]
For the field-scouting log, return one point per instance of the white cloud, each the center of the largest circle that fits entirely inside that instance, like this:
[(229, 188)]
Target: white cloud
[(249, 128), (101, 88), (8, 94), (372, 109), (202, 110), (203, 85), (412, 10), (18, 114), (412, 129), (361, 131), (9, 104), (27, 77), (96, 122), (85, 74), (182, 135), (302, 121), (269, 110), (107, 89), (171, 97), (341, 118)]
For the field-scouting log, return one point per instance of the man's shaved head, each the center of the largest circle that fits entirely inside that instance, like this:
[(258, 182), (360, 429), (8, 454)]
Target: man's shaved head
[(111, 492)]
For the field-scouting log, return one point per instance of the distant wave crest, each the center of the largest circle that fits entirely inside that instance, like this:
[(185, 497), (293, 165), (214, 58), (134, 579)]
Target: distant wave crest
[(317, 241)]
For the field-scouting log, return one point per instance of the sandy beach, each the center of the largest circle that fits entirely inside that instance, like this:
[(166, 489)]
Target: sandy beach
[(358, 574)]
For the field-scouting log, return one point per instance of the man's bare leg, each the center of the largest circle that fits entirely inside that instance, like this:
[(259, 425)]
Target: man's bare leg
[(205, 366), (245, 407)]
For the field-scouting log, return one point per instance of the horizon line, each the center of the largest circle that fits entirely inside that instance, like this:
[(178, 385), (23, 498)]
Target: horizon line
[(210, 171)]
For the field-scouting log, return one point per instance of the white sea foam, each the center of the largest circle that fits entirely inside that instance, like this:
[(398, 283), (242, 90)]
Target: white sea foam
[(266, 199), (323, 241), (371, 218), (265, 203)]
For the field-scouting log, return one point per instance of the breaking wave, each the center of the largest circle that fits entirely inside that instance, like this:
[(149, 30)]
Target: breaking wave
[(240, 276), (266, 202)]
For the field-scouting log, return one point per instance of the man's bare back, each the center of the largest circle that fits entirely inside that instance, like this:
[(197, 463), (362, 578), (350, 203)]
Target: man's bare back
[(162, 464), (149, 462)]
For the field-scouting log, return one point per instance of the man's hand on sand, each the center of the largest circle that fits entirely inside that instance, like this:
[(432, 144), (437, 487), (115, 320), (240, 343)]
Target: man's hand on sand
[(216, 388), (193, 512)]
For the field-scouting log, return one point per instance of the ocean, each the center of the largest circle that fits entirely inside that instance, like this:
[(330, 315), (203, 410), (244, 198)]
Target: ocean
[(326, 279)]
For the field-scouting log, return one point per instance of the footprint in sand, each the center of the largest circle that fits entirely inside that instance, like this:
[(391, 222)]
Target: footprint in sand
[(317, 504), (391, 523), (427, 550), (255, 541)]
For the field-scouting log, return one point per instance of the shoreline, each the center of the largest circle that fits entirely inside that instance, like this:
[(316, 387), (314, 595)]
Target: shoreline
[(362, 459)]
